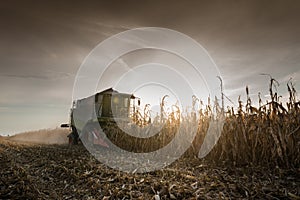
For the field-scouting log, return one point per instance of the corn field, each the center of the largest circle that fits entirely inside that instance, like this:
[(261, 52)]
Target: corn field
[(266, 135)]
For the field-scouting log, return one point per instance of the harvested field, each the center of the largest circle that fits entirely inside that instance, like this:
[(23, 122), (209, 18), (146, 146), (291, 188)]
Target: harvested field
[(39, 171)]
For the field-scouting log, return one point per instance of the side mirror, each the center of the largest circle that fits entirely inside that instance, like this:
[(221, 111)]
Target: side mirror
[(139, 102), (65, 125)]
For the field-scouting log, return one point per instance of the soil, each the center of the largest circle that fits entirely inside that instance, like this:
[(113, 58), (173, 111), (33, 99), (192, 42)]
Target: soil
[(52, 171)]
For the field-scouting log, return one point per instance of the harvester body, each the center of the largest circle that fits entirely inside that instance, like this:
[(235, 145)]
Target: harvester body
[(103, 108)]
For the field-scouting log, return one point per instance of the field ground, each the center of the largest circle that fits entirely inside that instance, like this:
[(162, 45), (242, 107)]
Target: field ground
[(52, 171)]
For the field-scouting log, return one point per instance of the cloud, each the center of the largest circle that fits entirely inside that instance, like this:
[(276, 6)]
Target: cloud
[(294, 76), (49, 75), (42, 46)]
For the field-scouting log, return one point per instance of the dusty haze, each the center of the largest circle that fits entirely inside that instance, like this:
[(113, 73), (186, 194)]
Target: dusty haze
[(44, 136)]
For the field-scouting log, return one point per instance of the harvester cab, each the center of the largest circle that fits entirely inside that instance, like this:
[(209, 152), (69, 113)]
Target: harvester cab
[(103, 108)]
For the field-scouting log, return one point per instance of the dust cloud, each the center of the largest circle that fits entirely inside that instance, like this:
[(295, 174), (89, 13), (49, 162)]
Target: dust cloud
[(44, 136)]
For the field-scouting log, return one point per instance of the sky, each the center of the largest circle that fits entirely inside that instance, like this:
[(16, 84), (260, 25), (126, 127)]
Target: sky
[(44, 43)]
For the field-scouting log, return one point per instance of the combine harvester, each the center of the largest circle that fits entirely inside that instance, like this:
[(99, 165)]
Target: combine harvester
[(104, 109)]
